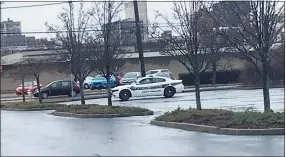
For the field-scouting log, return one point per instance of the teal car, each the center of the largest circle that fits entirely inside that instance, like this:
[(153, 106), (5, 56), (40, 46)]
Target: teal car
[(99, 82)]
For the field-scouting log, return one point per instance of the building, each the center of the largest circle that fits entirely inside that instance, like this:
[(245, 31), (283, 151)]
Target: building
[(127, 30), (13, 41), (142, 9), (143, 16), (166, 34), (31, 42), (11, 26)]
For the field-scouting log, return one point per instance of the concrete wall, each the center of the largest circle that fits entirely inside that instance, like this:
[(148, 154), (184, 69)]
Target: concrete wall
[(10, 82)]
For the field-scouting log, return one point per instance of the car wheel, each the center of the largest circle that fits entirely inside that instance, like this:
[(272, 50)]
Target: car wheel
[(169, 92), (86, 86), (44, 95), (92, 88), (73, 94), (124, 95)]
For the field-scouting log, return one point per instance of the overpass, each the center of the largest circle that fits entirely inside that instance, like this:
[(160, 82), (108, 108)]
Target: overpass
[(130, 62), (18, 56)]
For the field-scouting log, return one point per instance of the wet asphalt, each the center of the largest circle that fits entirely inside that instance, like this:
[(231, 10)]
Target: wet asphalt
[(38, 133)]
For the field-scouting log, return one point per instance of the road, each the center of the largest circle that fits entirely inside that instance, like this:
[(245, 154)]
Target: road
[(37, 133), (89, 94)]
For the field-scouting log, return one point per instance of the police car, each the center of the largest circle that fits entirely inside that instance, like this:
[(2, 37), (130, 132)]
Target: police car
[(149, 86)]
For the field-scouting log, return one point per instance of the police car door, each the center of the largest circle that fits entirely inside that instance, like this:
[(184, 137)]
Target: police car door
[(158, 86), (142, 88)]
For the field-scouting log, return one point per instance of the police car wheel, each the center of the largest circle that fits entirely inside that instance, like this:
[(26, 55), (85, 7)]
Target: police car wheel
[(124, 95), (169, 92)]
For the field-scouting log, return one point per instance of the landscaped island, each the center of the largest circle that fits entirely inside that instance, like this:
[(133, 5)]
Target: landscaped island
[(29, 106), (224, 121), (79, 111), (100, 111)]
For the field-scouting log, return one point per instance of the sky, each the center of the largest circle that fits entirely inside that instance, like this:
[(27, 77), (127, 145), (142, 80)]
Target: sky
[(33, 18)]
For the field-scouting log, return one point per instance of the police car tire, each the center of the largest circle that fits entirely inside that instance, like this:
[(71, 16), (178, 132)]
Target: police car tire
[(169, 92), (124, 95)]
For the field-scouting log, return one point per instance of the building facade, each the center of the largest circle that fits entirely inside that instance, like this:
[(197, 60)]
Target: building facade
[(10, 26), (126, 29), (143, 16), (142, 9)]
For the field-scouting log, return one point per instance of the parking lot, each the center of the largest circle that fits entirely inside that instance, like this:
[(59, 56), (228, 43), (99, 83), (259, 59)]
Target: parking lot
[(38, 133)]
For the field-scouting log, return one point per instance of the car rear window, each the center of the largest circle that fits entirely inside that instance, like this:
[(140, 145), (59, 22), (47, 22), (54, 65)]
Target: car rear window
[(130, 75), (151, 72), (65, 83)]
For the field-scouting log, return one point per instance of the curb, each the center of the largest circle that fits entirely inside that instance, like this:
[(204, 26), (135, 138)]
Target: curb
[(67, 114), (216, 130), (32, 109)]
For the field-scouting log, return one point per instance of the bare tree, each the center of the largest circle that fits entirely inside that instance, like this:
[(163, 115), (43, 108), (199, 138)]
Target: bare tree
[(74, 40), (36, 66), (188, 46), (211, 39), (255, 35), (107, 44), (21, 73)]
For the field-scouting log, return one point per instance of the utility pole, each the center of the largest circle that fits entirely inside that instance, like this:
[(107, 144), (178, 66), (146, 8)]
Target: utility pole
[(71, 36), (139, 39), (1, 36)]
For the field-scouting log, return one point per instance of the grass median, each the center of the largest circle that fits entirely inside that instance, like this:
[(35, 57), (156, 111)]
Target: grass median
[(226, 118), (100, 109), (29, 105), (75, 110)]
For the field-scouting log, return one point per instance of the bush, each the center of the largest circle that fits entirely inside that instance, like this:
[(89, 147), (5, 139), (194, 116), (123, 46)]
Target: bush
[(250, 76), (225, 118), (100, 109), (222, 77), (30, 105)]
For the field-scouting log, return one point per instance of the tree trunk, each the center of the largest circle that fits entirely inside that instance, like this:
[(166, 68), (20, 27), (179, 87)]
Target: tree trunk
[(214, 72), (23, 89), (81, 92), (109, 94), (39, 89), (197, 88), (266, 95)]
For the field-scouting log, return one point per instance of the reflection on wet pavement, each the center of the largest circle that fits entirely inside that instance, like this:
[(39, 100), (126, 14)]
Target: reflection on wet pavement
[(37, 133)]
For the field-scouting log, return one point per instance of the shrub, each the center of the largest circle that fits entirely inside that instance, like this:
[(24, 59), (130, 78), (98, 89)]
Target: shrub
[(225, 118), (100, 109)]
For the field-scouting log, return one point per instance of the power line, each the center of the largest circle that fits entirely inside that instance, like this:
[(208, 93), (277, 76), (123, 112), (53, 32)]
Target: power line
[(36, 5)]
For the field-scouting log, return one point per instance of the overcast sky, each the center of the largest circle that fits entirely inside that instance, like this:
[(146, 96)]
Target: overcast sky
[(34, 18)]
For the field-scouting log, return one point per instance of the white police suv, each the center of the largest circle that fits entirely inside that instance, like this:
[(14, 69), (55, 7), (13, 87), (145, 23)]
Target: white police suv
[(149, 86)]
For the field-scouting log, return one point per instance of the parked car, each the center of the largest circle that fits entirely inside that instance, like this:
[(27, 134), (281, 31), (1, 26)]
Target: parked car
[(160, 72), (87, 82), (28, 86), (149, 86), (129, 78), (57, 88), (99, 82)]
